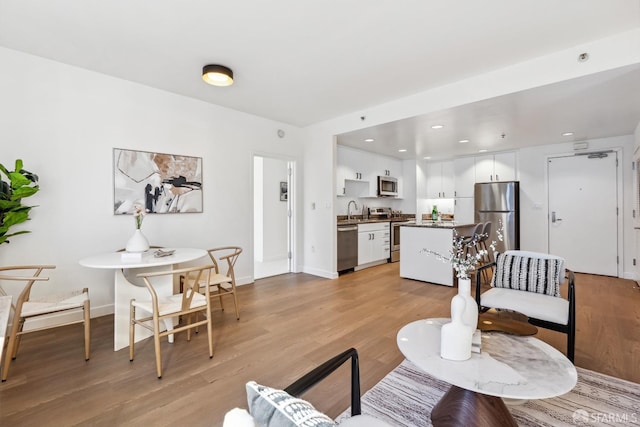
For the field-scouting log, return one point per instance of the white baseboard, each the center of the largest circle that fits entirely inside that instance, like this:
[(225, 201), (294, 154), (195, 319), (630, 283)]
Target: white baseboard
[(321, 273), (630, 275)]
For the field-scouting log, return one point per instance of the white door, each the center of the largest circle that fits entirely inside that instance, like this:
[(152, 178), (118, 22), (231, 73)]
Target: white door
[(583, 217)]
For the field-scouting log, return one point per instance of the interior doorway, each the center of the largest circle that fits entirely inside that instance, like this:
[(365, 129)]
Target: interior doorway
[(272, 218), (583, 211)]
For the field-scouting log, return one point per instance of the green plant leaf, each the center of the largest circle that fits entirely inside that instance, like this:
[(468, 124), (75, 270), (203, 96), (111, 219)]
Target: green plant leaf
[(22, 192), (18, 180), (16, 217), (7, 205)]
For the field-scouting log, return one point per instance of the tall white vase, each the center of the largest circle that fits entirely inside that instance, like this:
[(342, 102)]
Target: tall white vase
[(455, 337), (470, 312), (137, 243)]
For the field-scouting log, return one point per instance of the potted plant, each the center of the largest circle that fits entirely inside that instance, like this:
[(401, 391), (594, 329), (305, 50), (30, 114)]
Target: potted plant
[(19, 184)]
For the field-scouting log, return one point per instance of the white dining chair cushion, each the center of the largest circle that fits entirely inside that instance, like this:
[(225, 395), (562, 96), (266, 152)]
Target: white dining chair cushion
[(53, 303), (531, 304), (171, 304)]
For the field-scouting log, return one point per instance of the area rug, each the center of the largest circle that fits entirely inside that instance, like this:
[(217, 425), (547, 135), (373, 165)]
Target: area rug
[(405, 397)]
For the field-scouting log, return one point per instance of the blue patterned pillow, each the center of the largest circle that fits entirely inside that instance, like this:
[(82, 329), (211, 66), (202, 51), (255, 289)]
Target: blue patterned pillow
[(275, 408), (528, 273)]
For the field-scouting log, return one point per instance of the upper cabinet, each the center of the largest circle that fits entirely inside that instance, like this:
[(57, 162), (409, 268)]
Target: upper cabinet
[(496, 167), (357, 172), (440, 180), (465, 176), (348, 169)]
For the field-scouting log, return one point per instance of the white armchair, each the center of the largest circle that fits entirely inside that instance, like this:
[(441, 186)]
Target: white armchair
[(529, 283)]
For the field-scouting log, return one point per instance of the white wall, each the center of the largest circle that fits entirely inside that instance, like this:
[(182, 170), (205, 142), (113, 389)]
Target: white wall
[(65, 121), (612, 52)]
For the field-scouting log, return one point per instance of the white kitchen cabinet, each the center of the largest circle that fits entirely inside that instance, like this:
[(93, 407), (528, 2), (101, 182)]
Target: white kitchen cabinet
[(351, 167), (464, 176), (374, 243), (362, 169), (463, 210), (496, 167), (440, 180)]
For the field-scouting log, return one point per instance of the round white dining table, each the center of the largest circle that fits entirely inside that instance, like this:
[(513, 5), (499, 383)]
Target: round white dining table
[(128, 286)]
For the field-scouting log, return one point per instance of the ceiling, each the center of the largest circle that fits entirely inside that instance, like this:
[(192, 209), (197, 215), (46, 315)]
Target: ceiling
[(303, 62), (600, 105)]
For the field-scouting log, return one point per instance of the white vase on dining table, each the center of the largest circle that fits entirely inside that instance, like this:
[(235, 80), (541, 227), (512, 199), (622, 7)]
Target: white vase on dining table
[(137, 243), (470, 312)]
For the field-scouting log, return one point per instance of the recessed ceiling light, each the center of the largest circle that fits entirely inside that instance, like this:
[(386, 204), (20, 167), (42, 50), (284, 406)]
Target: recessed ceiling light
[(567, 134), (482, 151), (402, 150), (427, 158), (369, 140), (437, 126), (462, 141)]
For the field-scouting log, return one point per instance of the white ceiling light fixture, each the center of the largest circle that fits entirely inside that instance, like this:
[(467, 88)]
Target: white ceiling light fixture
[(567, 134), (217, 75), (463, 141), (369, 140), (402, 150), (437, 126), (482, 151), (427, 158)]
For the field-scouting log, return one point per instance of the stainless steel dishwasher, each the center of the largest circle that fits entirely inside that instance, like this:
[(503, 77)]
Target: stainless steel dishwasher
[(347, 247)]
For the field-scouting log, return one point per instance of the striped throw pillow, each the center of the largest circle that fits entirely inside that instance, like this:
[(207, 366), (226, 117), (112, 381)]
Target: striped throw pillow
[(524, 273)]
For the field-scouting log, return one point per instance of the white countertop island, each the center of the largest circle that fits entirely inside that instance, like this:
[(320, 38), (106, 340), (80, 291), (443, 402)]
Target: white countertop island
[(432, 236)]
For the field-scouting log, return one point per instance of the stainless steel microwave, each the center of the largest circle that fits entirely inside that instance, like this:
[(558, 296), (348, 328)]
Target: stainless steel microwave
[(387, 186)]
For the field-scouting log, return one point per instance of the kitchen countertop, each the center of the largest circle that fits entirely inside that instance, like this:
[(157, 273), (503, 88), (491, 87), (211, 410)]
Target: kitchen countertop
[(357, 221), (442, 224)]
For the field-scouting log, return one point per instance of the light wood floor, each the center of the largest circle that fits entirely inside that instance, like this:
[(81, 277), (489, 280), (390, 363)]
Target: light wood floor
[(289, 324)]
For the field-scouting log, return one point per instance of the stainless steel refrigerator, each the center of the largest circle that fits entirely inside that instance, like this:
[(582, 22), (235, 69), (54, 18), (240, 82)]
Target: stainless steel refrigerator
[(499, 202)]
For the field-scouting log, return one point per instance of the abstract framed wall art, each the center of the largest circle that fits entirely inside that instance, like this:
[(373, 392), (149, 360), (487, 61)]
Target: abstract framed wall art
[(162, 183)]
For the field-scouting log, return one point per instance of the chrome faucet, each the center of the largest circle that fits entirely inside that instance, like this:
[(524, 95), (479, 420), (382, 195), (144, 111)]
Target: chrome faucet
[(355, 206)]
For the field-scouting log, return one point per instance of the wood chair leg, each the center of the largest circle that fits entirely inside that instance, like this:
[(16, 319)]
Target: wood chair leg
[(11, 347), (235, 303), (220, 297), (87, 329), (16, 344), (156, 343), (132, 329), (210, 332)]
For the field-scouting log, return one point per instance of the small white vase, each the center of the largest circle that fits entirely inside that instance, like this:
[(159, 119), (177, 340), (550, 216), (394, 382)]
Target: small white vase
[(455, 337), (137, 243), (470, 313)]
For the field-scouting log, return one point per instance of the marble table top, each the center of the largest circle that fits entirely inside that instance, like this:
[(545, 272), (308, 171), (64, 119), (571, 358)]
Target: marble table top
[(508, 366)]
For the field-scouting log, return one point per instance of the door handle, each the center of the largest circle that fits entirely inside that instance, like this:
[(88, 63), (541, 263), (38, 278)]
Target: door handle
[(553, 217)]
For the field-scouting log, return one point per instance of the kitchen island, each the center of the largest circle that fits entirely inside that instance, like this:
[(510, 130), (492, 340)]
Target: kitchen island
[(417, 264)]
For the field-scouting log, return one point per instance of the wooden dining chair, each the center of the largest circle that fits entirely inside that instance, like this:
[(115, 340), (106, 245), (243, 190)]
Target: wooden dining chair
[(223, 282), (28, 308), (187, 304)]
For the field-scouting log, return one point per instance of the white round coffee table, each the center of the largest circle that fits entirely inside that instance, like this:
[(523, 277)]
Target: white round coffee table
[(509, 366)]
